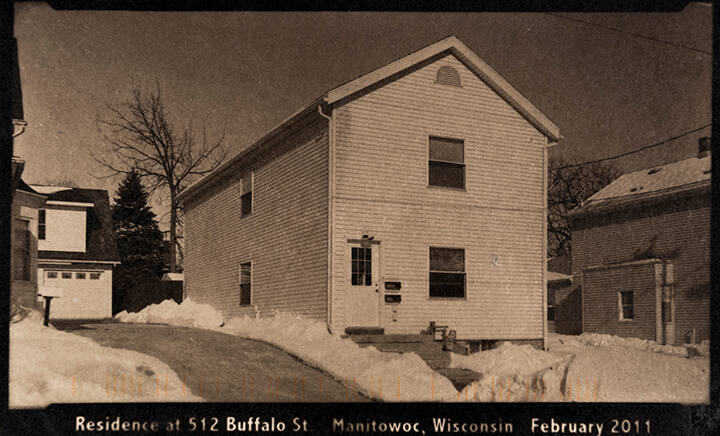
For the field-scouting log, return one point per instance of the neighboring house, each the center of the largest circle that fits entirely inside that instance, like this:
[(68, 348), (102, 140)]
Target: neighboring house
[(412, 194), (77, 251), (641, 250), (23, 261)]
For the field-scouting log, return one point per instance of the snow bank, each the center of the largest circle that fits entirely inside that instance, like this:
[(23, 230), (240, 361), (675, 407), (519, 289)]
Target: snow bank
[(187, 314), (50, 366), (514, 373), (603, 340)]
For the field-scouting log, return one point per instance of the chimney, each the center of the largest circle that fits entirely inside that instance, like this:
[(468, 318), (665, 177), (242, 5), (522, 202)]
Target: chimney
[(703, 147)]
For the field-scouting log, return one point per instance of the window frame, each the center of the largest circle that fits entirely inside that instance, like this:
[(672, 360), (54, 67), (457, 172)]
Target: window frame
[(80, 275), (621, 306), (428, 138), (241, 284), (366, 262), (464, 274), (22, 254), (63, 275), (95, 276), (54, 273), (251, 176), (42, 224)]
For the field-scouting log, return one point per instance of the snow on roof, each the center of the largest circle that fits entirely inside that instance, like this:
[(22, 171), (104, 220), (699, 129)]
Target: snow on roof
[(673, 177), (552, 276), (174, 276), (47, 189)]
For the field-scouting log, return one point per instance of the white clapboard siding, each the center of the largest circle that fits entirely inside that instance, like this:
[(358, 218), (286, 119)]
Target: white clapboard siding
[(380, 187), (285, 237), (65, 229)]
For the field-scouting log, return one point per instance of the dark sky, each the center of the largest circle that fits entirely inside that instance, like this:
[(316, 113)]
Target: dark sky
[(608, 91)]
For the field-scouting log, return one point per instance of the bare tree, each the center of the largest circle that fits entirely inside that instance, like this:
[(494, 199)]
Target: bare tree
[(143, 137), (568, 186)]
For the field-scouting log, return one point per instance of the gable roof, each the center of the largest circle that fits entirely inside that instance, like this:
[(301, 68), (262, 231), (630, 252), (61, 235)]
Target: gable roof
[(348, 90), (100, 242), (651, 183)]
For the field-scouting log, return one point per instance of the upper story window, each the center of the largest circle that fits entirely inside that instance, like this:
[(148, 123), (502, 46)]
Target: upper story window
[(446, 165), (41, 223), (246, 198), (448, 75), (21, 250), (447, 272)]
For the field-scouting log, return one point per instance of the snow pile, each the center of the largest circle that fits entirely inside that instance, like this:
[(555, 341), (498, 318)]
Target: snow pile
[(603, 340), (187, 314), (514, 373), (640, 376), (50, 366), (386, 376)]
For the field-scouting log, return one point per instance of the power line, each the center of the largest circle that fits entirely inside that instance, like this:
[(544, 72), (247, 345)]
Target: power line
[(627, 153), (637, 35)]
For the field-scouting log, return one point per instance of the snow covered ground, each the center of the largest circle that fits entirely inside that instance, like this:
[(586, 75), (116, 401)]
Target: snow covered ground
[(575, 368), (51, 366)]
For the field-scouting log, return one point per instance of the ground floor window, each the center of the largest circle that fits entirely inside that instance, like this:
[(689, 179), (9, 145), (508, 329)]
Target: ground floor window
[(245, 283), (66, 275), (94, 276), (447, 272), (361, 268), (626, 302)]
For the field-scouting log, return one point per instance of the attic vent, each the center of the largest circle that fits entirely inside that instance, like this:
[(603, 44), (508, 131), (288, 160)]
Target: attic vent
[(448, 75), (654, 170)]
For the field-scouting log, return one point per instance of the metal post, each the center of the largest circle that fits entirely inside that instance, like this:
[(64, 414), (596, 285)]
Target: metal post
[(47, 310)]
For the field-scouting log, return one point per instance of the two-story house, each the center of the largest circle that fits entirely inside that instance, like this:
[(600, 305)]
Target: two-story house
[(641, 254), (414, 193), (76, 251)]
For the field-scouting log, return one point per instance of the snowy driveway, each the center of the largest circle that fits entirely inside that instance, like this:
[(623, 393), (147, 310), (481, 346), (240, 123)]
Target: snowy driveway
[(220, 367)]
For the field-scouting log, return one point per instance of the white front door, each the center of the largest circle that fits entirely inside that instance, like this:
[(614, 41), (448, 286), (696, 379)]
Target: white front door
[(361, 299)]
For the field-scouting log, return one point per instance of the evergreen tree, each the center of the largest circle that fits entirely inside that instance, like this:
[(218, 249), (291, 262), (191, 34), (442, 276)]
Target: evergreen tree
[(139, 240)]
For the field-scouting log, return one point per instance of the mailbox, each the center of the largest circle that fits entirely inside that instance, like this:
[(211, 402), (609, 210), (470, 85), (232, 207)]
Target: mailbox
[(392, 286), (393, 298), (50, 291)]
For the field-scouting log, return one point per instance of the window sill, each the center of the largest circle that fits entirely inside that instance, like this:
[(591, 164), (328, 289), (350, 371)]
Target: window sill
[(448, 188), (626, 320), (447, 298)]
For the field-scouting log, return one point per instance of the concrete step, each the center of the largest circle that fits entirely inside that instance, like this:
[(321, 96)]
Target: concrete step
[(364, 330), (391, 338)]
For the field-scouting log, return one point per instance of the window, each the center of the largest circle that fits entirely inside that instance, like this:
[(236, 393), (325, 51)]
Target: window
[(80, 275), (94, 276), (447, 272), (245, 283), (446, 166), (361, 268), (41, 224), (447, 75), (627, 307), (21, 250), (67, 275), (246, 198), (52, 274), (551, 312)]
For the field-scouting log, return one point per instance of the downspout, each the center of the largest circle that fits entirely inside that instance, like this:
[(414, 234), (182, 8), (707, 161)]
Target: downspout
[(331, 196), (545, 241)]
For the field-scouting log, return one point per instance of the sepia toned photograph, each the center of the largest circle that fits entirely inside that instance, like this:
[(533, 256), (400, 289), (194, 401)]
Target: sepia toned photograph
[(333, 207)]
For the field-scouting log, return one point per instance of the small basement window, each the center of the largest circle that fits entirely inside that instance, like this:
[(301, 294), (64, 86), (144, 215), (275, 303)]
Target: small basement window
[(447, 272), (246, 197), (447, 75), (626, 303), (245, 283), (446, 164)]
